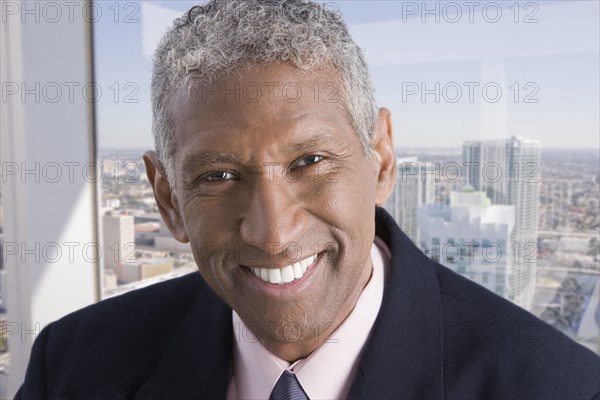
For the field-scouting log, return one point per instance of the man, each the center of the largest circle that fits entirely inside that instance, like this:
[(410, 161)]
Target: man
[(272, 161)]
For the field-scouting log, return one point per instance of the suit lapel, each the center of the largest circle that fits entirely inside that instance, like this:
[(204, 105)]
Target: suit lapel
[(403, 358), (197, 362)]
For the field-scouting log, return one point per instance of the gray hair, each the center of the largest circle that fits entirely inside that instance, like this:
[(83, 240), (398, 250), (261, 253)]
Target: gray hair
[(223, 36)]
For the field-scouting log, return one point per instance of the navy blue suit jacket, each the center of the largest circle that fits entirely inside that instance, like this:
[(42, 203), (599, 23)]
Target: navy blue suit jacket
[(437, 336)]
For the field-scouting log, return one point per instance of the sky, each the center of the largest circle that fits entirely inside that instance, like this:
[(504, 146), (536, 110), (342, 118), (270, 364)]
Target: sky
[(448, 72)]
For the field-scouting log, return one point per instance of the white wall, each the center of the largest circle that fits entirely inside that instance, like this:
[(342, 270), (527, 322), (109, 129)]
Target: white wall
[(50, 212)]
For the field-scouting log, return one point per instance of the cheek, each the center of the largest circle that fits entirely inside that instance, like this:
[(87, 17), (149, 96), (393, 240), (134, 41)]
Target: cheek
[(208, 234), (352, 195), (211, 218), (352, 219)]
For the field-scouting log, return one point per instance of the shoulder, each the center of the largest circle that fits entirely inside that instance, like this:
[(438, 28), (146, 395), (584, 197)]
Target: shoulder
[(128, 331), (490, 339), (118, 341), (489, 347)]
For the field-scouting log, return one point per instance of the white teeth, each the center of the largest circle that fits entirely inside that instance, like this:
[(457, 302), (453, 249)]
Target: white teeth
[(286, 274), (298, 272), (305, 264), (264, 274), (275, 276)]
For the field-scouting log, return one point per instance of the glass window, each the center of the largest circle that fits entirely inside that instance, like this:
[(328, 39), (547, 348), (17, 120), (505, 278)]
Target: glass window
[(499, 91)]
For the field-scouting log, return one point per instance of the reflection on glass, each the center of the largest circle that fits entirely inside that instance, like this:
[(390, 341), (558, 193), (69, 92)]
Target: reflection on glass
[(494, 200)]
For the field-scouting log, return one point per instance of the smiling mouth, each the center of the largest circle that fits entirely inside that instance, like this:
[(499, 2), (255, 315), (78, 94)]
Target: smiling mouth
[(287, 274)]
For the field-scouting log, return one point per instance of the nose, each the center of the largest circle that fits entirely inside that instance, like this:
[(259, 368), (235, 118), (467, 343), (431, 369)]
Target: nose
[(274, 217)]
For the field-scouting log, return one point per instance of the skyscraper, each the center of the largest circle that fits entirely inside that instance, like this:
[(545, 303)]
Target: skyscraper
[(485, 164), (415, 185), (508, 171)]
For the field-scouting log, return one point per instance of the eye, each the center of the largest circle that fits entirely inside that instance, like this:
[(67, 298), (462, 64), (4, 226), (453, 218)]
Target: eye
[(309, 160), (219, 176)]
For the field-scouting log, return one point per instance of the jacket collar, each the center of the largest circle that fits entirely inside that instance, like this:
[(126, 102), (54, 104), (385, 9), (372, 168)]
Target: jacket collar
[(402, 359)]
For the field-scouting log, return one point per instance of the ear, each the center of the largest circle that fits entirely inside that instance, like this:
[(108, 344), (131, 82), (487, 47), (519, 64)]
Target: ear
[(385, 156), (166, 200)]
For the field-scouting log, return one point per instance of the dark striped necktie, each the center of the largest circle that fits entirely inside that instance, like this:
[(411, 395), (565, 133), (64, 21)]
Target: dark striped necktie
[(288, 388)]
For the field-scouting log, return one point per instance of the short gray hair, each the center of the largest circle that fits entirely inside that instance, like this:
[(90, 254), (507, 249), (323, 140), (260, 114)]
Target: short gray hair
[(223, 36)]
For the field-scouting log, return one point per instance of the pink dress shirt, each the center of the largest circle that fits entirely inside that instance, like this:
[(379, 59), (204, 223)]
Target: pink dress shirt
[(328, 372)]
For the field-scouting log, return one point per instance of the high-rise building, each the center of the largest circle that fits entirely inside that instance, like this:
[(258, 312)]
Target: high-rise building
[(485, 164), (119, 239), (415, 185), (470, 236), (508, 171), (429, 174)]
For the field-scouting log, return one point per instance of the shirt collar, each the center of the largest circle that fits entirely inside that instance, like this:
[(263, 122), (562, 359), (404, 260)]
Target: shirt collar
[(329, 371)]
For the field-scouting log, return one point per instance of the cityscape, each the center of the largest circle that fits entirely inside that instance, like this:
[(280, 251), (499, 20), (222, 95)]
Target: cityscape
[(518, 219)]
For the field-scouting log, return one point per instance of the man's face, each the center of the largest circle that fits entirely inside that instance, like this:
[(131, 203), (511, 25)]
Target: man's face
[(270, 173)]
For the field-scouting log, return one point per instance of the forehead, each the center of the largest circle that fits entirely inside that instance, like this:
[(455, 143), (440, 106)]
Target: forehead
[(266, 89), (261, 103)]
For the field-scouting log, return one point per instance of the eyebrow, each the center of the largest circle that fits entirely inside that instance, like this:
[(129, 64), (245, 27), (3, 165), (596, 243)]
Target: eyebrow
[(321, 137), (197, 160), (213, 157)]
